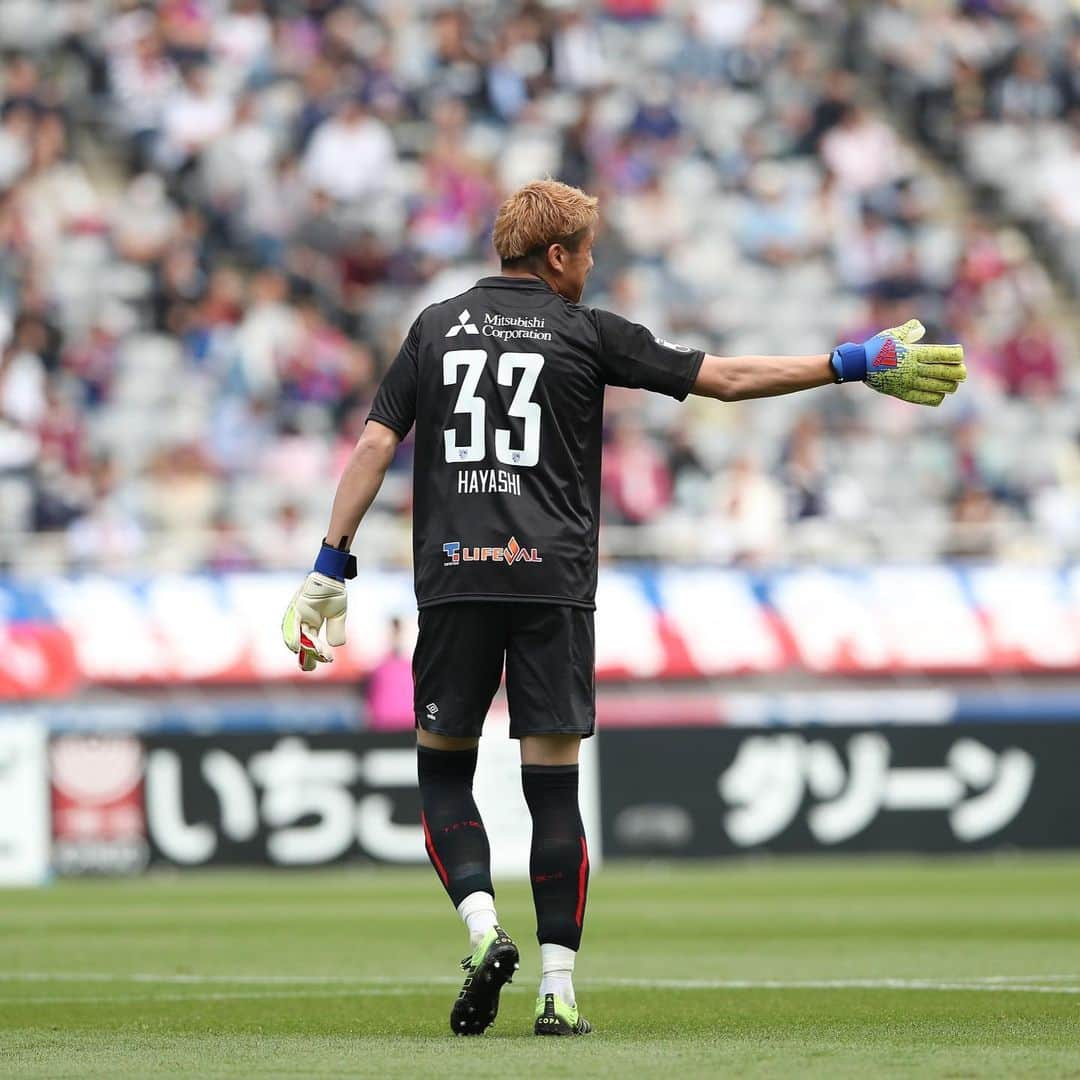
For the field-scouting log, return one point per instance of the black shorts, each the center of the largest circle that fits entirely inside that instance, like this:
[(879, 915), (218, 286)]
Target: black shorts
[(550, 657)]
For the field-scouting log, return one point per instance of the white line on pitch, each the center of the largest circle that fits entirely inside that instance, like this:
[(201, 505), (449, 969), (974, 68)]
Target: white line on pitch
[(1033, 984), (231, 980), (1025, 978), (113, 999), (834, 984)]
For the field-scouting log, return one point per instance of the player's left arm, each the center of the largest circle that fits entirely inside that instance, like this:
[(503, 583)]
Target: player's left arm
[(322, 598), (360, 482), (890, 362)]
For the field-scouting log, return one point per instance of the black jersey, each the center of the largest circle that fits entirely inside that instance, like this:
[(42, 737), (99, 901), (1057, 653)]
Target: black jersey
[(505, 384)]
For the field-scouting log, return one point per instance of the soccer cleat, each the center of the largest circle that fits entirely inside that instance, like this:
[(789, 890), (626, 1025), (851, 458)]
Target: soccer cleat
[(555, 1017), (488, 970)]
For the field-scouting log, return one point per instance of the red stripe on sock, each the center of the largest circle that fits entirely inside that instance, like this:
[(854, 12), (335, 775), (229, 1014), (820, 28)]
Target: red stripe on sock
[(439, 868), (582, 877)]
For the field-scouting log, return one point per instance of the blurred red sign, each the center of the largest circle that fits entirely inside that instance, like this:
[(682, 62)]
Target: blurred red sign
[(99, 823)]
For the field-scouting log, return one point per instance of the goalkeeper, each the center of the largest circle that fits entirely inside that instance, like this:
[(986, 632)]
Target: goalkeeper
[(506, 498)]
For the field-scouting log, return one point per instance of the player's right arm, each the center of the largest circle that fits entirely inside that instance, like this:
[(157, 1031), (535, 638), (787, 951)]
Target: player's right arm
[(889, 362), (737, 378)]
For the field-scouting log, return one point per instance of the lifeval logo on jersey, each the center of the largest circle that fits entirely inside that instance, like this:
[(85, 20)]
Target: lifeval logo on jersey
[(512, 553), (463, 323)]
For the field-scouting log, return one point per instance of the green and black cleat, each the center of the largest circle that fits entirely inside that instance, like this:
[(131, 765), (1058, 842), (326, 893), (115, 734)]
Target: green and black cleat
[(488, 970), (555, 1017)]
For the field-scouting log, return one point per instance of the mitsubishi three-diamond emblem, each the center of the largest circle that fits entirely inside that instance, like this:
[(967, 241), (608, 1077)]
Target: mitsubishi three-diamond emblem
[(463, 324)]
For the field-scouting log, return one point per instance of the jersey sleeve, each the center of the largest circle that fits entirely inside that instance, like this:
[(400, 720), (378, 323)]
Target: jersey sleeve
[(630, 355), (395, 402)]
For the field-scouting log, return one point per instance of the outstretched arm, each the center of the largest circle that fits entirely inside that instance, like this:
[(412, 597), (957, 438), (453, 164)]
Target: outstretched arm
[(736, 378), (360, 482), (890, 363)]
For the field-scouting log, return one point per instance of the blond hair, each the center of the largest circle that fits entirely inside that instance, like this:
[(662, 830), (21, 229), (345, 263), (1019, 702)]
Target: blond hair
[(539, 214)]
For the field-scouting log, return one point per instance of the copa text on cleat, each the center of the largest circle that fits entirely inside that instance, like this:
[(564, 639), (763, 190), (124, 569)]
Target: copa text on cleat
[(487, 971), (555, 1017)]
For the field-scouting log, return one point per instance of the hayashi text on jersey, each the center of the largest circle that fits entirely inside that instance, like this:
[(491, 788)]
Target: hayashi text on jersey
[(487, 482)]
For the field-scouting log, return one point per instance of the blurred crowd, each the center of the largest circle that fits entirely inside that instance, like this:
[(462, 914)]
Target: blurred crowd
[(994, 88), (218, 219)]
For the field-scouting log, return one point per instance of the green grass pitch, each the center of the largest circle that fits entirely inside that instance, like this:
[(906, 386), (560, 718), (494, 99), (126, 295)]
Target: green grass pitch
[(794, 968)]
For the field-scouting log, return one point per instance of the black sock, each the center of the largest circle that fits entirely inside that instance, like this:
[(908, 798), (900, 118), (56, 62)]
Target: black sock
[(559, 862), (454, 835)]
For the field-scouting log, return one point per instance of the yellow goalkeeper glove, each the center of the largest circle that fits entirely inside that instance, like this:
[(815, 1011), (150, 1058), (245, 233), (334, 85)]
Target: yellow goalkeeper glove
[(891, 363)]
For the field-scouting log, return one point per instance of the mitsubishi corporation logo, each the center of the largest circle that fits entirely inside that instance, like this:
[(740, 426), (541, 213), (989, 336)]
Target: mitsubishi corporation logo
[(512, 553), (463, 324)]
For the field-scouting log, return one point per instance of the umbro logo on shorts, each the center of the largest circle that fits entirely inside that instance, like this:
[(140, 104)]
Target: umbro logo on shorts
[(432, 709), (463, 323)]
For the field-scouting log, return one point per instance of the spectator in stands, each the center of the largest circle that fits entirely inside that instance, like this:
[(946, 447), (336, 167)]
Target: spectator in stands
[(1060, 185), (750, 510), (805, 471), (314, 370), (60, 428), (636, 478), (973, 519), (388, 693), (229, 550), (239, 161), (91, 359), (1028, 94), (109, 535), (774, 227), (182, 494), (241, 43), (187, 26), (143, 79), (16, 132), (1031, 360), (863, 152), (192, 119), (351, 155), (270, 331), (280, 543), (22, 374)]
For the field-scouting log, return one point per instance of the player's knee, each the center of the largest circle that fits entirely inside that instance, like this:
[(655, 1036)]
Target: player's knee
[(550, 749), (433, 741)]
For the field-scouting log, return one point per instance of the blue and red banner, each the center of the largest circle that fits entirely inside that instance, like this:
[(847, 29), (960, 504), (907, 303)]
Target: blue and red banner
[(64, 634)]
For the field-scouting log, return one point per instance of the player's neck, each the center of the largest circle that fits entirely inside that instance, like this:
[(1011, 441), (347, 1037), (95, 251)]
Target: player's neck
[(512, 272)]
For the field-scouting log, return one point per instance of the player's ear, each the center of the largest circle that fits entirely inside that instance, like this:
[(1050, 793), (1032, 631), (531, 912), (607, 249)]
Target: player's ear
[(556, 257)]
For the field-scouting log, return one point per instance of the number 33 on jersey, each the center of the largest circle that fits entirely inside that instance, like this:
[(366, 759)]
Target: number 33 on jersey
[(474, 362), (505, 387)]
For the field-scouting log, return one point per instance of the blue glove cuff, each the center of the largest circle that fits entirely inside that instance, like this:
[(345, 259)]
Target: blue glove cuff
[(335, 563), (849, 362)]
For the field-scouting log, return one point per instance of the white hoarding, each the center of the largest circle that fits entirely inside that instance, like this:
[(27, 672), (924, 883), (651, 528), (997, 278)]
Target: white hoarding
[(24, 804)]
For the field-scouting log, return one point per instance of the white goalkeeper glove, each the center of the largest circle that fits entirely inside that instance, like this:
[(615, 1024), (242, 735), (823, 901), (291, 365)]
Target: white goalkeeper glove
[(320, 600)]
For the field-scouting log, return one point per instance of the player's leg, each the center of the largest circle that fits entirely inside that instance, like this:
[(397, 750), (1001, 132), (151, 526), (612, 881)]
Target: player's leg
[(559, 870), (457, 666), (551, 694), (454, 833)]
